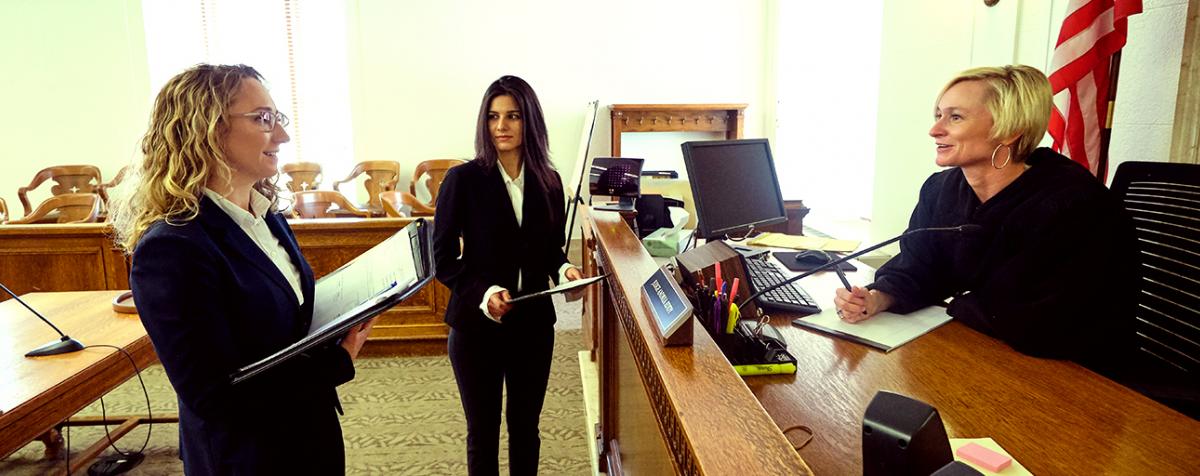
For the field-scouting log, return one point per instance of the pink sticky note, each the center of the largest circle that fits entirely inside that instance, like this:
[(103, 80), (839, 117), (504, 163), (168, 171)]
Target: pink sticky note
[(985, 458)]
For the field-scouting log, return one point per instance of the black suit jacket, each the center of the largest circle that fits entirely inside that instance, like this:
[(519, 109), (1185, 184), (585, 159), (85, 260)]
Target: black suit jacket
[(212, 302), (473, 205)]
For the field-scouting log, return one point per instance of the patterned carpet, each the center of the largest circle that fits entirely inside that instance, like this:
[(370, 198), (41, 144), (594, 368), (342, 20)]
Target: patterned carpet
[(403, 417)]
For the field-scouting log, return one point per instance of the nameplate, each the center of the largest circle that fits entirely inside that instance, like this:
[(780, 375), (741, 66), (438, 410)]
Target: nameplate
[(669, 308)]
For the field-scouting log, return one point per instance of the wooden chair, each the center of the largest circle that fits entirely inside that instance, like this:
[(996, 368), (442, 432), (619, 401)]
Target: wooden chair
[(435, 170), (3, 211), (382, 176), (303, 176), (1163, 200), (67, 178), (325, 204), (393, 203), (71, 208), (104, 187)]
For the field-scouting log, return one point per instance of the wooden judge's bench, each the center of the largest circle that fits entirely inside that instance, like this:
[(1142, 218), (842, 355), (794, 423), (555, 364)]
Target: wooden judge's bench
[(82, 257)]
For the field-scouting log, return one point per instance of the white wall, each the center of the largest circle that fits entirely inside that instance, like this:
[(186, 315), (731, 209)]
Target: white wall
[(74, 89), (419, 69), (926, 42)]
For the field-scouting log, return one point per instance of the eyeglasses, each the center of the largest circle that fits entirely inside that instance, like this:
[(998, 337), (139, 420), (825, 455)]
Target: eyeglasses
[(266, 119)]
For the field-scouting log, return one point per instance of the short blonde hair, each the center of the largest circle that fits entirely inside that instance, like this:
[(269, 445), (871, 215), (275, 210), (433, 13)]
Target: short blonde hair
[(182, 149), (1020, 101)]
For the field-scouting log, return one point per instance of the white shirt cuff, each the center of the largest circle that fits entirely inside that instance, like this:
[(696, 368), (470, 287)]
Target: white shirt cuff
[(562, 272), (487, 295)]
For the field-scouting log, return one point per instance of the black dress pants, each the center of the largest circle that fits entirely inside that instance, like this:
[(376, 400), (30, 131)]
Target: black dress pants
[(485, 363)]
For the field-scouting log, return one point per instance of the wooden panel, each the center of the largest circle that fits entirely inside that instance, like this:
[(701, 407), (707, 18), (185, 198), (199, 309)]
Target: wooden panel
[(704, 412), (726, 118), (38, 393)]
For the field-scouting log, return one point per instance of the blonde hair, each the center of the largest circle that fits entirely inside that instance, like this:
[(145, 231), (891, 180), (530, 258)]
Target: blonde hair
[(182, 149), (1020, 100)]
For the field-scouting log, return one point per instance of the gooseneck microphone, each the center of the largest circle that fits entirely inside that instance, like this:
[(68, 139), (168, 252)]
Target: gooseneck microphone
[(968, 228), (62, 346)]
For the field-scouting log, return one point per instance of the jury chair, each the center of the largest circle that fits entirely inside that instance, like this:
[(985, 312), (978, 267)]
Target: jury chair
[(429, 174), (382, 176), (103, 188), (302, 176), (3, 211), (67, 179), (325, 204), (70, 208), (1163, 201), (393, 204)]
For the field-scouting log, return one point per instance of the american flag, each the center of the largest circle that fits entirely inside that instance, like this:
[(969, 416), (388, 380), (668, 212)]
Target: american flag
[(1079, 76)]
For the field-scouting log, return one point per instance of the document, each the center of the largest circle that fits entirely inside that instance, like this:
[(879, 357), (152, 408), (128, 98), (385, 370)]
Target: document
[(369, 284), (562, 288), (781, 240), (884, 331)]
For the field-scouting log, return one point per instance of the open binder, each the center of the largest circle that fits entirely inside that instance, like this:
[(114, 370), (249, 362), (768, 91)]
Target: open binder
[(369, 284)]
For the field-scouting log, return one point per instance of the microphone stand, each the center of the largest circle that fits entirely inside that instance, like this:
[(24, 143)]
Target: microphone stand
[(831, 264), (62, 346)]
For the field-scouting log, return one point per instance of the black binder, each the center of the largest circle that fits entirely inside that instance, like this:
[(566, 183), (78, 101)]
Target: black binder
[(418, 234)]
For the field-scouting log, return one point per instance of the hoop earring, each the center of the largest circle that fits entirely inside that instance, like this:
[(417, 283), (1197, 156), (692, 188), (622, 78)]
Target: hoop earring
[(1006, 161)]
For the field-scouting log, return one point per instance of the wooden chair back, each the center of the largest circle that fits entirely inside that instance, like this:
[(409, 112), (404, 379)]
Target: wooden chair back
[(67, 179), (71, 208), (303, 176), (3, 211), (430, 174), (382, 176), (104, 187), (324, 204), (393, 203)]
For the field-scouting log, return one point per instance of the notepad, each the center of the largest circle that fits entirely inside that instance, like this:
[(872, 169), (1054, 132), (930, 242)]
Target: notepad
[(884, 331), (781, 240)]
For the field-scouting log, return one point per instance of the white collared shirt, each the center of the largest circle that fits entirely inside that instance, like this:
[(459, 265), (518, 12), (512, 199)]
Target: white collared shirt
[(516, 194), (255, 226)]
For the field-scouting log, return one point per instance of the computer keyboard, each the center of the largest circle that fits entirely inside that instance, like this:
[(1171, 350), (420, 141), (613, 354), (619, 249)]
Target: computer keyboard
[(789, 298)]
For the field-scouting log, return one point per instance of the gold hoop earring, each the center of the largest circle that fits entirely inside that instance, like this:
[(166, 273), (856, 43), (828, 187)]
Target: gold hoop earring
[(1006, 161)]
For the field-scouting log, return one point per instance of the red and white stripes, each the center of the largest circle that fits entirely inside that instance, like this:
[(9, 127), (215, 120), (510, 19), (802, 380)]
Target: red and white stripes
[(1079, 76)]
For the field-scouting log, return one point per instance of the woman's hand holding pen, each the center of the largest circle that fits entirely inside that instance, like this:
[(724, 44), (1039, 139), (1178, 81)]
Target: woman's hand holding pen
[(356, 337), (857, 303)]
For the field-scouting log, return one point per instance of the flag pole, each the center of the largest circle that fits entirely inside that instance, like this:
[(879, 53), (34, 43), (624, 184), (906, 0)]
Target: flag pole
[(1114, 68)]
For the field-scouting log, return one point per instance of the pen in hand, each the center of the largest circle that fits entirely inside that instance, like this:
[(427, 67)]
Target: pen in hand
[(842, 275)]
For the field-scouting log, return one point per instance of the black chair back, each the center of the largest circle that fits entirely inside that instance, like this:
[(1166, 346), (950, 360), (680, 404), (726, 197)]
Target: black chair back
[(1163, 199)]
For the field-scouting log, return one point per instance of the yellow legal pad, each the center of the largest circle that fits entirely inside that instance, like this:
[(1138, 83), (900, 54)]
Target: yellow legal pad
[(782, 240)]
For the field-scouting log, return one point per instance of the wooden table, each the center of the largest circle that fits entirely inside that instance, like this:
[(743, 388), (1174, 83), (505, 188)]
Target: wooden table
[(1054, 417), (39, 393)]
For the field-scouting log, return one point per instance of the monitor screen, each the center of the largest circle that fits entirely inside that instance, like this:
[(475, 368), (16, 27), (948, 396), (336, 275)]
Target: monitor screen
[(615, 176), (733, 184)]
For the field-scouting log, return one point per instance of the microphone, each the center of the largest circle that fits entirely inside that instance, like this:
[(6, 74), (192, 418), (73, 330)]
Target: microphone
[(968, 228), (62, 346)]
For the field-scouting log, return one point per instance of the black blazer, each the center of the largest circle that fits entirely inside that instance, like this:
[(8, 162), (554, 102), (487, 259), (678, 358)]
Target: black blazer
[(212, 301), (473, 205)]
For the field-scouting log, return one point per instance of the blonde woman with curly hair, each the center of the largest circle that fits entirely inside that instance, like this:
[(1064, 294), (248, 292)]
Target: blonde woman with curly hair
[(219, 281), (1052, 270)]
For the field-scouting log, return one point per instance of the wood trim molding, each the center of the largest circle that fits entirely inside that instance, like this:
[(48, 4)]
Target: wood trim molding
[(1186, 134)]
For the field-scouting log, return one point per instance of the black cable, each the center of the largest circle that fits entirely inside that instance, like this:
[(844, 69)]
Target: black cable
[(104, 413)]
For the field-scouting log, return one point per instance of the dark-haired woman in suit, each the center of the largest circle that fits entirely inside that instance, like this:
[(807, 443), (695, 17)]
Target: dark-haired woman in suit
[(507, 207)]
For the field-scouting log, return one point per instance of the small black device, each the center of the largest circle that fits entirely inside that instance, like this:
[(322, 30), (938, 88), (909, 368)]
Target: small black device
[(903, 436), (788, 298), (616, 177), (957, 468), (115, 464), (734, 185)]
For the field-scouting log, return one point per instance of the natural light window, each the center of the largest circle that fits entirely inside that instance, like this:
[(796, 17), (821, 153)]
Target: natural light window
[(828, 86), (300, 47)]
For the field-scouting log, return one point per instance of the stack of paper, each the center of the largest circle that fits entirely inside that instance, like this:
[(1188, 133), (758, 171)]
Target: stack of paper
[(884, 331)]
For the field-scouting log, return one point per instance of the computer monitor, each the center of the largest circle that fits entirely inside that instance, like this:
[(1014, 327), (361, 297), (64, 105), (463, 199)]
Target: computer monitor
[(733, 184), (616, 177)]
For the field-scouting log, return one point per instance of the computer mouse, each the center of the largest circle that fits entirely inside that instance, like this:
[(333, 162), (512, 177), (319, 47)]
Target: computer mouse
[(810, 259)]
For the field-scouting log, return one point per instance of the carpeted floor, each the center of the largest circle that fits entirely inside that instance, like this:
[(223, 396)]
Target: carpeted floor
[(403, 417)]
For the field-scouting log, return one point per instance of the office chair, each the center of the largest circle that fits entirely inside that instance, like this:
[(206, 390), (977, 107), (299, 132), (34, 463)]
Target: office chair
[(430, 173), (1163, 200), (382, 176), (67, 178), (302, 176)]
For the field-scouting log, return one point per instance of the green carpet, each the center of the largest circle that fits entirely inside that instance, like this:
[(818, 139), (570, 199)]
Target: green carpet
[(403, 417)]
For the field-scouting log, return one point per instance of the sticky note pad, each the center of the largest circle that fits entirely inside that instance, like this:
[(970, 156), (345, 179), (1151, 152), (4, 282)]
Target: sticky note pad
[(985, 458)]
